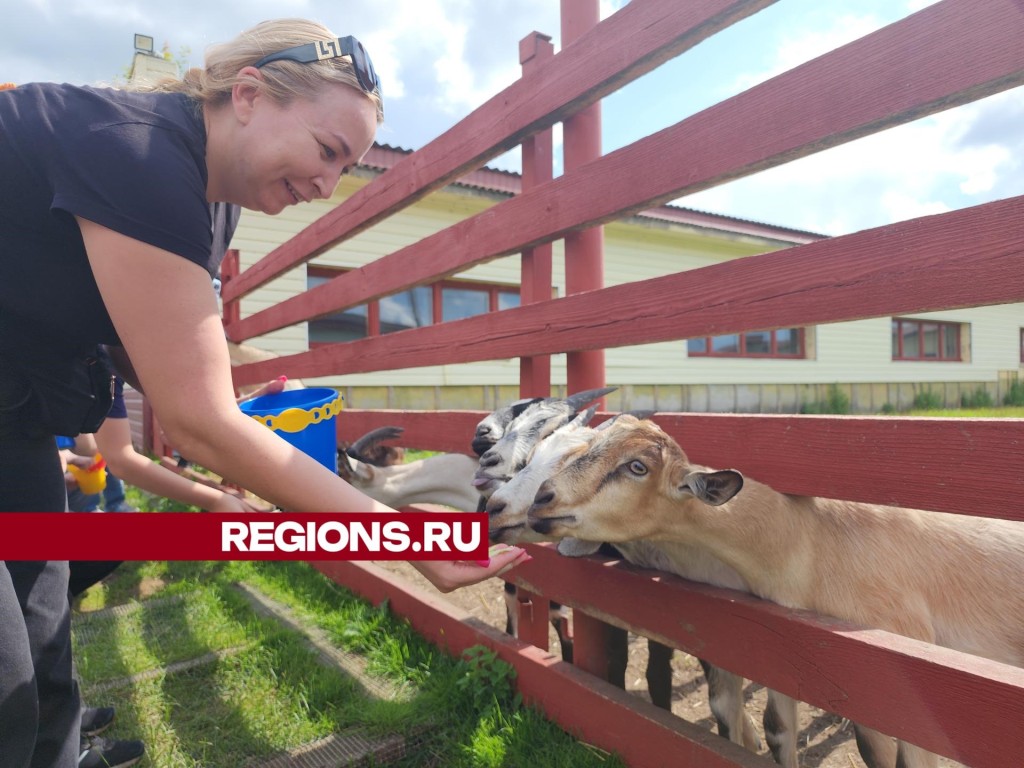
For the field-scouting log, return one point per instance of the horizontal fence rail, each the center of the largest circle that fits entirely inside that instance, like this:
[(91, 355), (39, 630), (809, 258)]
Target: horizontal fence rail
[(959, 259), (932, 464)]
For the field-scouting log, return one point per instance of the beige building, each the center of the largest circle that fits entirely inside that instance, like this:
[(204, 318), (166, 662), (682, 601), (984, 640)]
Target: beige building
[(876, 363)]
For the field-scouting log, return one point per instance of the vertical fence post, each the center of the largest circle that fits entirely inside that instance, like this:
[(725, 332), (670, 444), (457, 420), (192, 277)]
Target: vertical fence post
[(229, 269), (584, 250), (535, 285), (598, 647), (535, 282)]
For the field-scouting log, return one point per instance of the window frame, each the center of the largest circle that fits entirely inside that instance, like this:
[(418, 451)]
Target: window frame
[(493, 290), (899, 355), (773, 354)]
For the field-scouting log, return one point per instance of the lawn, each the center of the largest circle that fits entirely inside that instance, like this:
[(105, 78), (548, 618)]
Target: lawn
[(205, 680)]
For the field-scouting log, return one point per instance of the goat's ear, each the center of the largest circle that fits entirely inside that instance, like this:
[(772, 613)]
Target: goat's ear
[(570, 547), (521, 405), (714, 488)]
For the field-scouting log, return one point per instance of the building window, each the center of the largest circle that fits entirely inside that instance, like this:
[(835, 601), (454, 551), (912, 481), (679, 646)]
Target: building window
[(925, 340), (347, 325), (415, 308), (782, 343), (409, 309)]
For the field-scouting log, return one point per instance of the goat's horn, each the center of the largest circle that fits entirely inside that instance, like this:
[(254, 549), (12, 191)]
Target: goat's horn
[(580, 399), (642, 414), (379, 435)]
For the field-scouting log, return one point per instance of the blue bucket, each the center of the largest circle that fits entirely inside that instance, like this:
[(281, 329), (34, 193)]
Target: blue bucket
[(303, 417)]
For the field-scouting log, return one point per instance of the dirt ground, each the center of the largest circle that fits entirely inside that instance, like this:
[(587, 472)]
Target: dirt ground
[(825, 741)]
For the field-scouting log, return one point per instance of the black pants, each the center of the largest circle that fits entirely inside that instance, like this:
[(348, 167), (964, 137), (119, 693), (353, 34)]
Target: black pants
[(39, 703), (85, 573)]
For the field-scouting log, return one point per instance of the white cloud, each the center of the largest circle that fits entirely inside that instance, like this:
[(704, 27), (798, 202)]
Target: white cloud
[(801, 44), (943, 162)]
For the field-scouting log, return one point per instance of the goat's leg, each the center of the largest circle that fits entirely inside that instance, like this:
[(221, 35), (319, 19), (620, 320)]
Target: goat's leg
[(618, 656), (659, 674), (911, 756), (780, 728), (876, 749), (558, 615), (511, 610), (725, 695)]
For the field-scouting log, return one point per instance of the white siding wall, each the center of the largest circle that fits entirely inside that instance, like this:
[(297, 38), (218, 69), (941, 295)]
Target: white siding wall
[(854, 352)]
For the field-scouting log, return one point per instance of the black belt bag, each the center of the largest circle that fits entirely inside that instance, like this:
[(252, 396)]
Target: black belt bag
[(60, 396)]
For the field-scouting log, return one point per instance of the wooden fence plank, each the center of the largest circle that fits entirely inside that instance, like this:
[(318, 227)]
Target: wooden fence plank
[(620, 49), (948, 702), (958, 259), (934, 464), (948, 54)]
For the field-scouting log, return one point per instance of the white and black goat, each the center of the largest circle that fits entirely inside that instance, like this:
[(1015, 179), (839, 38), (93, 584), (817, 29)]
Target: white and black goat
[(510, 434), (507, 510), (951, 580), (442, 479), (504, 441)]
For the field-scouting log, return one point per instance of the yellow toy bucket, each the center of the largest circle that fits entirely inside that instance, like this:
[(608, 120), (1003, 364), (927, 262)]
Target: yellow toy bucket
[(91, 480)]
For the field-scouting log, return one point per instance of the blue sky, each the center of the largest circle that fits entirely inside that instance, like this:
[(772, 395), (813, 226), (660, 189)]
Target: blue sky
[(439, 59)]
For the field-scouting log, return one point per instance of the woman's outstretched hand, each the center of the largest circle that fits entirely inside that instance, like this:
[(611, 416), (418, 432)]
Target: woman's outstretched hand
[(448, 576)]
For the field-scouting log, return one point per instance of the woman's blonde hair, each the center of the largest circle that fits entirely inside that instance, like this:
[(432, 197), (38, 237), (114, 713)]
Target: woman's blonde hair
[(282, 80)]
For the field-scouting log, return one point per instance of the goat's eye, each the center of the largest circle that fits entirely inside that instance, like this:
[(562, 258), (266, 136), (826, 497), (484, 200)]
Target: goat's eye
[(637, 467)]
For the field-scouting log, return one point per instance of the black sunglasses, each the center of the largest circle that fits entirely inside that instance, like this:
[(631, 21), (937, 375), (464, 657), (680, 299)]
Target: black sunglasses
[(332, 49)]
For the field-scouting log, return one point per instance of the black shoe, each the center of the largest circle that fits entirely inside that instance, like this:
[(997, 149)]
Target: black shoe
[(96, 720), (107, 753)]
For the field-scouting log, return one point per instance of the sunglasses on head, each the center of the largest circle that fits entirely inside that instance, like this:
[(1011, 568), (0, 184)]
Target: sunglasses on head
[(331, 49)]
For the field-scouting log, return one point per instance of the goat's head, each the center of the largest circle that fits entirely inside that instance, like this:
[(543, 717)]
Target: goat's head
[(509, 503), (493, 427), (538, 420), (630, 481), (370, 447)]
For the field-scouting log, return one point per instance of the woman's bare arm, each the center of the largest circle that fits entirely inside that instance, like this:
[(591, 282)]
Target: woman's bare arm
[(165, 313)]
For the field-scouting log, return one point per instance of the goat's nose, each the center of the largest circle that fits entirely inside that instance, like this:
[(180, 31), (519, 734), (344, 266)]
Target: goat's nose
[(489, 459), (495, 507)]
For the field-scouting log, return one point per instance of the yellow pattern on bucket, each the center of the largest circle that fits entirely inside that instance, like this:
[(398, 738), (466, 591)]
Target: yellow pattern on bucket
[(297, 419)]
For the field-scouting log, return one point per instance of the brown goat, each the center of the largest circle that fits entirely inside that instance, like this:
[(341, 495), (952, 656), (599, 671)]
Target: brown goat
[(952, 580)]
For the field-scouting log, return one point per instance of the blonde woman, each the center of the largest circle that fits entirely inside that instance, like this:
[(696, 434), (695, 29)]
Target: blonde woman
[(105, 238)]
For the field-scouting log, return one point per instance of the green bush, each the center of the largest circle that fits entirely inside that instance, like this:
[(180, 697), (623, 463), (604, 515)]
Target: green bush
[(888, 408), (928, 401), (979, 398), (1016, 394), (836, 401)]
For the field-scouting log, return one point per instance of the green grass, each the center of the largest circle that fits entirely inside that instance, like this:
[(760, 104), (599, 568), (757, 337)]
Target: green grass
[(1008, 412), (266, 692)]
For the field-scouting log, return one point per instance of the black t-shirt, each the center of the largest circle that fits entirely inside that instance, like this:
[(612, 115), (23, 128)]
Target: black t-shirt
[(132, 162)]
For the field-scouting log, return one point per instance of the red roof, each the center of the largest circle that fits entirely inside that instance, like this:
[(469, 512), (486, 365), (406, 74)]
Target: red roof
[(384, 156)]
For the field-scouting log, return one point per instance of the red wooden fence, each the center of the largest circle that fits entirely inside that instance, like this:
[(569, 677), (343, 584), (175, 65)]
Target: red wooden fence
[(948, 54)]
